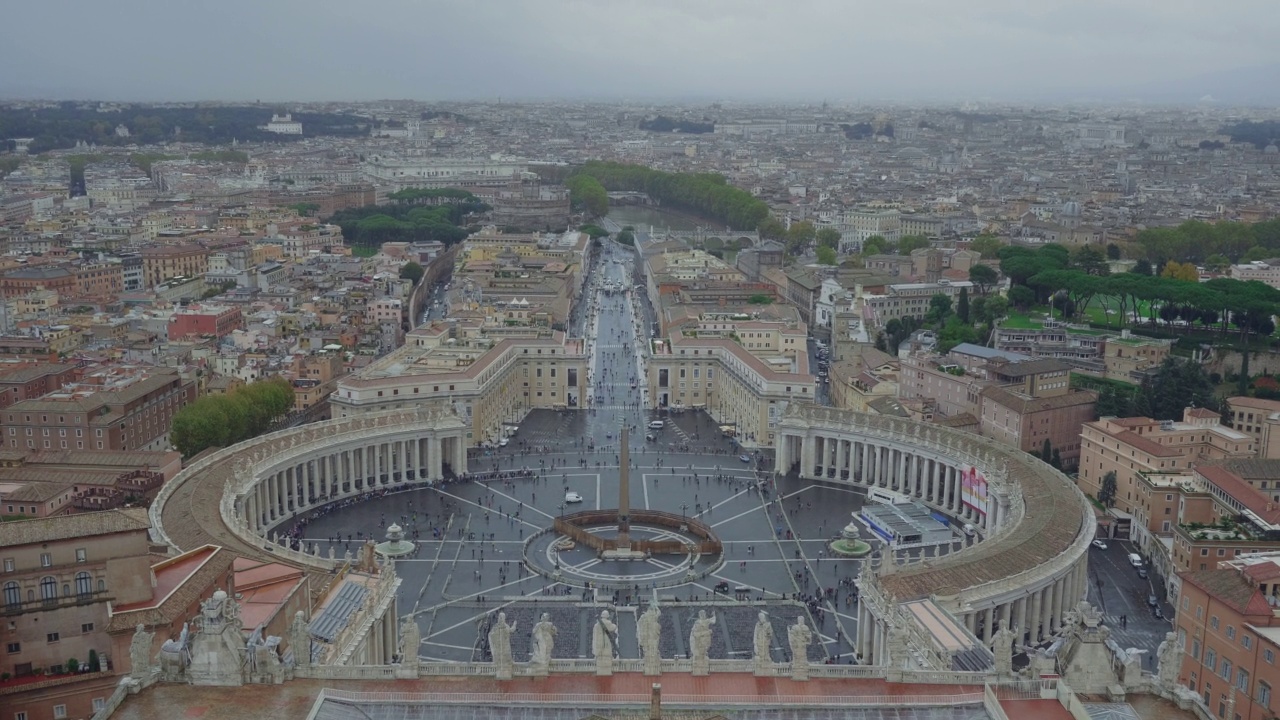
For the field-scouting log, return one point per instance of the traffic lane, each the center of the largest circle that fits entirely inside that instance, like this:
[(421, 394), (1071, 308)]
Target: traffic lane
[(1121, 595)]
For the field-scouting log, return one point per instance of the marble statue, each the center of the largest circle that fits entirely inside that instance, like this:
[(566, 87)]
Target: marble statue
[(175, 655), (1170, 658), (798, 637), (648, 634), (300, 640), (410, 640), (500, 646), (761, 643), (140, 653), (1002, 648), (604, 643), (544, 641), (368, 560), (332, 552), (700, 643)]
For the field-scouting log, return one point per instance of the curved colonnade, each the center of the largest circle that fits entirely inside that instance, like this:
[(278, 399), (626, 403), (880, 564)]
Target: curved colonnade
[(263, 482), (1028, 572)]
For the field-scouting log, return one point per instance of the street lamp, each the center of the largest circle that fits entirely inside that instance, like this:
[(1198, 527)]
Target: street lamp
[(684, 508)]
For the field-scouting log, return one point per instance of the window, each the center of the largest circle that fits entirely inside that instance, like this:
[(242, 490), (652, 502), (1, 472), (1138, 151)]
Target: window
[(20, 716), (1269, 655), (1264, 694), (12, 594), (14, 647), (59, 712), (99, 704), (53, 637), (1213, 622), (1246, 641), (1242, 680), (1210, 659), (86, 627), (1231, 632), (46, 560), (1225, 670), (48, 588), (8, 564), (84, 583)]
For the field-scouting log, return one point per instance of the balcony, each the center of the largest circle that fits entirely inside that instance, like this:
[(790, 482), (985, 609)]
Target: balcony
[(62, 601)]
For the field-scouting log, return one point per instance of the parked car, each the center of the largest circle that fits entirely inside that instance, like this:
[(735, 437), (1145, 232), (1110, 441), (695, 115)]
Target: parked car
[(1099, 544), (745, 458), (572, 497)]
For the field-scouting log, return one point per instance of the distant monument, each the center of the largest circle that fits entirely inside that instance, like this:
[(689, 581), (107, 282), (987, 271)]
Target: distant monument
[(700, 643), (799, 636), (648, 634), (500, 647), (604, 643), (544, 641), (762, 644), (140, 653), (218, 652)]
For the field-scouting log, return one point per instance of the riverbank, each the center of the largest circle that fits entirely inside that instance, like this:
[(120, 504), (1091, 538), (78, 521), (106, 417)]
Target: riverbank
[(642, 216)]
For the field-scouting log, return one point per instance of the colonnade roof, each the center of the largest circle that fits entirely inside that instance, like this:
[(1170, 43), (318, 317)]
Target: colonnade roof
[(1053, 519), (188, 507)]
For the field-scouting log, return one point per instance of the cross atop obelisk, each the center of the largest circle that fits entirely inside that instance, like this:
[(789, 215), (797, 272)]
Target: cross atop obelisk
[(624, 494)]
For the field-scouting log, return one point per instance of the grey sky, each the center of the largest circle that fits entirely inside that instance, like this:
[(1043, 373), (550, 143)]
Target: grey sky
[(723, 49)]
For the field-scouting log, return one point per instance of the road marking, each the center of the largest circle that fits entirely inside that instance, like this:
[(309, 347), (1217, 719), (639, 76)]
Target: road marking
[(644, 483)]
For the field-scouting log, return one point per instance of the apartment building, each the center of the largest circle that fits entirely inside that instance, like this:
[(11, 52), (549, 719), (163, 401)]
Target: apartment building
[(487, 380), (906, 300), (744, 379), (23, 381), (216, 321), (160, 263), (859, 224), (1229, 625), (61, 577), (1260, 419), (1122, 357), (1030, 403), (118, 409)]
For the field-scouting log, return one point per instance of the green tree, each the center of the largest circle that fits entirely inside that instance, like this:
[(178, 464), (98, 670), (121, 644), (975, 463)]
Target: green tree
[(587, 195), (626, 237), (829, 237), (1113, 251), (1107, 492), (939, 308), (875, 245), (1217, 263), (411, 271), (1046, 450), (1022, 296), (984, 277), (995, 309), (95, 665), (1056, 460), (223, 420), (1087, 259), (1257, 252), (962, 306), (771, 229), (1142, 267), (909, 243), (988, 245), (826, 256), (799, 236)]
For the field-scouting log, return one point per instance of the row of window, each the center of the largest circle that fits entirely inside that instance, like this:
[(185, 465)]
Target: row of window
[(60, 711), (49, 589), (46, 559)]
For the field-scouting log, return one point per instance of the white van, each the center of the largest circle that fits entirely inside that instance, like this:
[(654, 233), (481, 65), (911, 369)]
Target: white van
[(1135, 560), (657, 425)]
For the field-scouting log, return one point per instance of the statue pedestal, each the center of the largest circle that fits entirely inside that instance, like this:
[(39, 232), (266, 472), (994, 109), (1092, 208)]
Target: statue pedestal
[(604, 666), (539, 670), (763, 669), (701, 667), (800, 670)]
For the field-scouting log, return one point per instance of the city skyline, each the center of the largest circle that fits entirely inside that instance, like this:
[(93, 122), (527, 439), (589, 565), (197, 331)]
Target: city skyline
[(811, 50)]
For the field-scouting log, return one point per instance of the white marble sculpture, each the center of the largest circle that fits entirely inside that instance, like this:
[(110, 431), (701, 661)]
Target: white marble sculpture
[(218, 650), (410, 639), (544, 641), (300, 640), (798, 637), (140, 653), (700, 643), (1002, 648), (604, 643), (761, 644), (648, 634), (500, 647), (1170, 657)]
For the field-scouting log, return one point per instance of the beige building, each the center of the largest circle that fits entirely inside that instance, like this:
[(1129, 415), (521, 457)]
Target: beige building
[(489, 381), (1031, 402), (744, 374), (61, 577), (1147, 454), (1260, 419)]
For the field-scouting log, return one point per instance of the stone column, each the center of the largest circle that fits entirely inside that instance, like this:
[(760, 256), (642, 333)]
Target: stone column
[(437, 459), (1034, 617), (808, 451), (841, 457), (990, 622)]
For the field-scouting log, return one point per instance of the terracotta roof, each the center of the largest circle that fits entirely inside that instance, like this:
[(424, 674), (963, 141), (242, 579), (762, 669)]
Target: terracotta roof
[(1150, 447), (1200, 413), (42, 530), (1022, 404), (1230, 587), (1234, 486), (1259, 572), (190, 577), (1243, 401)]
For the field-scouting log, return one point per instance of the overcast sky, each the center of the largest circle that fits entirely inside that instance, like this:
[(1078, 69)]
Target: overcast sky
[(707, 49)]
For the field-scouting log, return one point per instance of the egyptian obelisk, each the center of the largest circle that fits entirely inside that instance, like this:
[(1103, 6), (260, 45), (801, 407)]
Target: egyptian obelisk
[(624, 494)]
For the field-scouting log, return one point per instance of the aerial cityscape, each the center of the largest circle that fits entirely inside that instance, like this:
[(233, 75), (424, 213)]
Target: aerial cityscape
[(572, 360)]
